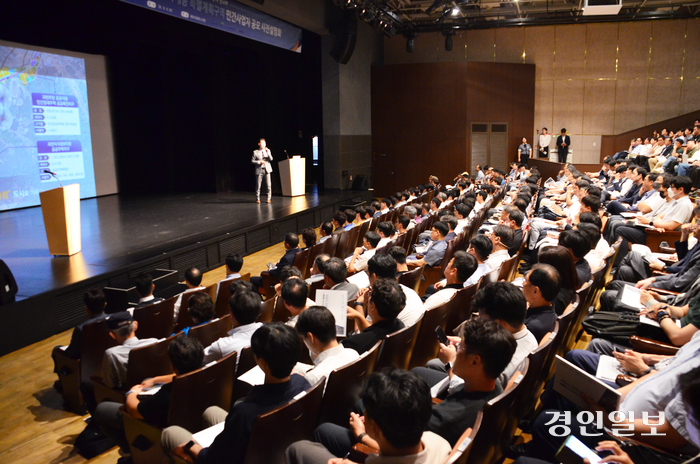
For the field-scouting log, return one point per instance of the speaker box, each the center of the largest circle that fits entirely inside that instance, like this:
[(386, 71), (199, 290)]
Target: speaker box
[(8, 285), (344, 44)]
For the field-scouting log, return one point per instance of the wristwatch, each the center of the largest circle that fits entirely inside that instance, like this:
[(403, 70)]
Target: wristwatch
[(448, 366), (361, 436), (661, 315)]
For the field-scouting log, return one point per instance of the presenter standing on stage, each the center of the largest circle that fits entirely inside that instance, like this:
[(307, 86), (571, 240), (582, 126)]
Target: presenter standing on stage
[(263, 168)]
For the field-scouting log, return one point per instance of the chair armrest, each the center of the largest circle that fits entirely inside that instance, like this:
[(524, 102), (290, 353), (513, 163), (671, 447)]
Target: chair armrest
[(360, 451), (647, 345), (661, 291), (623, 380), (667, 249), (658, 273), (437, 401)]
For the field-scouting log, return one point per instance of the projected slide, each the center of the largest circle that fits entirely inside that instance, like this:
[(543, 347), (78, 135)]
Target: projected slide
[(44, 125)]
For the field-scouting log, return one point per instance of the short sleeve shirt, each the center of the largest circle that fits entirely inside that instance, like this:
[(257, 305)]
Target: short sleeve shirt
[(525, 149), (679, 212)]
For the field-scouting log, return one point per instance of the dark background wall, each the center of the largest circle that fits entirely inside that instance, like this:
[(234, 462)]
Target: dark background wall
[(421, 116), (188, 102)]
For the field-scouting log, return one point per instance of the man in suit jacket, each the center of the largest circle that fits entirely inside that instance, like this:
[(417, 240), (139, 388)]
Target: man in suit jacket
[(263, 168), (563, 144), (291, 245), (334, 274), (145, 287)]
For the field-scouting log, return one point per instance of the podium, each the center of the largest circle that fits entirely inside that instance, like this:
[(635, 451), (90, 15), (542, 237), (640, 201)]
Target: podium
[(293, 176), (61, 210)]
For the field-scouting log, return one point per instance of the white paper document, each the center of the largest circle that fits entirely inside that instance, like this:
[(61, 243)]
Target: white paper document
[(206, 437), (361, 279), (609, 368), (631, 297), (337, 302), (254, 377)]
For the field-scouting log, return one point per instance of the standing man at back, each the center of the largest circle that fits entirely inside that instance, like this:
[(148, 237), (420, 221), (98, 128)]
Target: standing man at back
[(263, 168)]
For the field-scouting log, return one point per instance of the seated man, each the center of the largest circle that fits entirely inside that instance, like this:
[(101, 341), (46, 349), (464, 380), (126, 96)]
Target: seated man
[(504, 303), (201, 310), (480, 355), (122, 328), (193, 280), (335, 273), (479, 247), (397, 411), (578, 245), (234, 264), (501, 237), (145, 287), (316, 326), (634, 267), (294, 297), (384, 267), (276, 348), (399, 255), (678, 212), (325, 231), (339, 221), (654, 392), (95, 302), (540, 287), (436, 250), (361, 256), (386, 231), (515, 222), (383, 306), (186, 355), (291, 244), (245, 308), (317, 269), (458, 270)]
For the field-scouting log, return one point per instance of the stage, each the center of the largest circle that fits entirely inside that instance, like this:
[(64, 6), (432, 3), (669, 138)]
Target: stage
[(124, 235)]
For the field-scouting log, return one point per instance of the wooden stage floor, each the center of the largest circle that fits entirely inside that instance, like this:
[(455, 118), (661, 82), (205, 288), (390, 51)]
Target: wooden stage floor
[(120, 230)]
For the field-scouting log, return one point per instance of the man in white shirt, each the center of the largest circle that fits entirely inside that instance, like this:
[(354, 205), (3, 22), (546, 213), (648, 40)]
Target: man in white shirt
[(193, 280), (317, 328), (325, 231), (501, 237), (458, 270), (122, 328), (361, 256), (234, 264), (294, 296), (245, 308), (317, 268)]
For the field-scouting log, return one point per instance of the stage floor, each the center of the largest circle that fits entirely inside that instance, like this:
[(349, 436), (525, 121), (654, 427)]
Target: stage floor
[(119, 230)]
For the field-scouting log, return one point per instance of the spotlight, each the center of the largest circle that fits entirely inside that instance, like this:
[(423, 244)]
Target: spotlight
[(448, 39), (410, 45)]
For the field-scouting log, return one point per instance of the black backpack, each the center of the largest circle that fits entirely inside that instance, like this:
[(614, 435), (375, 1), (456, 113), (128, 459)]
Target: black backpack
[(619, 326)]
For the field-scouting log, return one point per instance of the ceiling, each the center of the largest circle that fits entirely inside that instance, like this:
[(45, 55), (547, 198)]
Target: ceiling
[(409, 17)]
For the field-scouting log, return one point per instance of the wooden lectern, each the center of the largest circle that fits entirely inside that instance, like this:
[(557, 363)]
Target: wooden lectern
[(293, 176), (61, 209)]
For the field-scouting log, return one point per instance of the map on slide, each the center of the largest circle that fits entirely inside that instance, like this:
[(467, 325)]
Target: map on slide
[(44, 125)]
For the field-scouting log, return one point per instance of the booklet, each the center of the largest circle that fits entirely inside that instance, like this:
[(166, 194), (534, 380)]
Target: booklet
[(361, 279), (337, 302), (206, 437), (609, 368), (631, 297), (572, 382)]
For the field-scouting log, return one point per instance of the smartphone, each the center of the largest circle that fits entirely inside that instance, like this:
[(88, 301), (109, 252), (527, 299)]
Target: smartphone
[(573, 451), (441, 335)]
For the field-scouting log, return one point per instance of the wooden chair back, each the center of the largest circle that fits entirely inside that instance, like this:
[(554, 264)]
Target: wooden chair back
[(274, 431), (579, 314), (246, 361), (352, 242), (156, 320), (211, 331), (397, 347), (301, 259), (373, 223), (489, 440), (281, 314), (267, 310), (412, 279), (461, 307), (331, 244), (221, 307), (197, 390), (401, 240), (564, 321), (95, 342), (149, 361), (364, 227), (410, 239), (427, 344), (344, 385), (313, 254), (489, 278), (506, 269), (318, 285)]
